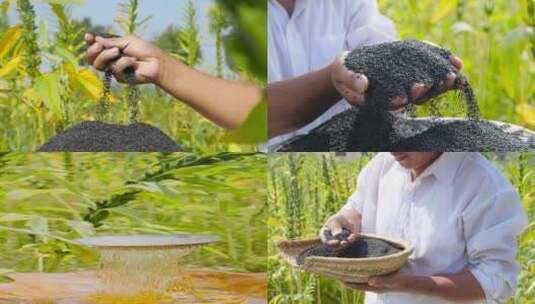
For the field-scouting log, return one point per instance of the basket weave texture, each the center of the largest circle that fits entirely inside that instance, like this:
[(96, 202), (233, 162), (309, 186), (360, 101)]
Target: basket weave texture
[(353, 270)]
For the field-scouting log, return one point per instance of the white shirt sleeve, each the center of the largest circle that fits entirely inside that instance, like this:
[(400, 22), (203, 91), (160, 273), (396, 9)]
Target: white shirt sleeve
[(491, 226), (366, 25), (367, 183)]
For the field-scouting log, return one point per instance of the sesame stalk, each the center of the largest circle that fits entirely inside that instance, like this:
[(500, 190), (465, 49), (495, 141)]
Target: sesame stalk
[(31, 54)]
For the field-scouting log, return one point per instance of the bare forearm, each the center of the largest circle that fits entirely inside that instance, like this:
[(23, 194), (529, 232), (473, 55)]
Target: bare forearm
[(298, 101), (227, 103), (461, 286)]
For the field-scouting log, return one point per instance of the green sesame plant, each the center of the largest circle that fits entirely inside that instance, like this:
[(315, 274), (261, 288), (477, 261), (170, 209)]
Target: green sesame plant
[(46, 85), (49, 199)]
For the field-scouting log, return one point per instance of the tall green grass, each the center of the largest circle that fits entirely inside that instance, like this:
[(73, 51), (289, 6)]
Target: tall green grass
[(47, 200), (46, 86)]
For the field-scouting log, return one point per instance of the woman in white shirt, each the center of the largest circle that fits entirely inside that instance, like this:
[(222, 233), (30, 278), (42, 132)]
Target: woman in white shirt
[(459, 213), (307, 84)]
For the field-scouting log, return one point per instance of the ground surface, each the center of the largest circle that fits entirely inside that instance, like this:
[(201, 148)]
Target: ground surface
[(74, 288)]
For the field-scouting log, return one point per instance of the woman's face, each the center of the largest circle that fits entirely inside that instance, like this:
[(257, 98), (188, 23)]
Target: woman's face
[(415, 160)]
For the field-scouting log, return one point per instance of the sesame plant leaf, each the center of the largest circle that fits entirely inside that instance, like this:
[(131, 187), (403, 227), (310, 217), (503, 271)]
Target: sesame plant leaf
[(247, 45), (65, 55), (3, 275), (39, 225), (526, 112), (4, 7), (462, 27), (89, 82), (9, 40), (444, 8), (14, 217), (27, 194), (83, 228), (254, 129), (43, 34), (11, 66), (48, 88), (247, 48)]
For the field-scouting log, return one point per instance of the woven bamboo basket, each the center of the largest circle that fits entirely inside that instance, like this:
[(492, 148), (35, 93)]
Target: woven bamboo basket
[(353, 270)]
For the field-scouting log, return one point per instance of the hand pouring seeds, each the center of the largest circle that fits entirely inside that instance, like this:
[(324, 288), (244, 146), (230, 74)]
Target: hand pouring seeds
[(98, 136), (392, 69)]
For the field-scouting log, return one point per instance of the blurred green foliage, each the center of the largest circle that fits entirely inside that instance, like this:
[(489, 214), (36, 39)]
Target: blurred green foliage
[(48, 200), (69, 93)]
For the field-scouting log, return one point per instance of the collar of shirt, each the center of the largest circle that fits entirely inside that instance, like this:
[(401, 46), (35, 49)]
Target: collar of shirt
[(299, 7), (443, 168)]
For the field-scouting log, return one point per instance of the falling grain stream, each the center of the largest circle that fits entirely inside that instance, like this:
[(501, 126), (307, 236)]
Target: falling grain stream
[(138, 269)]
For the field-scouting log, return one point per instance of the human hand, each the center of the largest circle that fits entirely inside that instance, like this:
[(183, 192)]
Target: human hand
[(126, 52), (352, 86), (421, 92), (347, 219), (396, 282)]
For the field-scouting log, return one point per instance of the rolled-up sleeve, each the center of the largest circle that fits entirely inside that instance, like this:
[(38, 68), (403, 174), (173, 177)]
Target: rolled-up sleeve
[(491, 227), (366, 25)]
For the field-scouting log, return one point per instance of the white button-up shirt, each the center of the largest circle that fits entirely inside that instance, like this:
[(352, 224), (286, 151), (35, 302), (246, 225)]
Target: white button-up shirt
[(314, 35), (460, 213)]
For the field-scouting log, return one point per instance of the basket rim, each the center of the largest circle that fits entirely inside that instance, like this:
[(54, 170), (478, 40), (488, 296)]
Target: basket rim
[(407, 250)]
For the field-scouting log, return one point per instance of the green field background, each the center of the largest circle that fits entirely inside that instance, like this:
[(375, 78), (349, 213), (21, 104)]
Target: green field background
[(494, 38)]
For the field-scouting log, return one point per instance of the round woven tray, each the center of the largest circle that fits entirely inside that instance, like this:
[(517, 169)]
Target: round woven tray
[(148, 242), (354, 270)]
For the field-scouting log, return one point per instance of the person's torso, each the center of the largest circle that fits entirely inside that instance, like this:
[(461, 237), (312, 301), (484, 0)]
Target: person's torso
[(309, 40), (427, 214)]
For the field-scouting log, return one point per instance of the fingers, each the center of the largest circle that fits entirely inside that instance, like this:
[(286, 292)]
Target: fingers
[(122, 64), (93, 51), (456, 62), (398, 102), (105, 57), (354, 228), (325, 234), (377, 282), (419, 94), (352, 238), (450, 81), (419, 90), (363, 287), (335, 227), (355, 231), (355, 88), (89, 38), (352, 86), (121, 42)]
